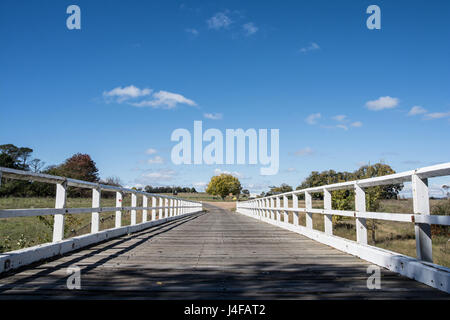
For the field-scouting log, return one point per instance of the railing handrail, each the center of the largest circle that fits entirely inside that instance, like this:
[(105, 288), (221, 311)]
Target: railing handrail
[(423, 173), (46, 178)]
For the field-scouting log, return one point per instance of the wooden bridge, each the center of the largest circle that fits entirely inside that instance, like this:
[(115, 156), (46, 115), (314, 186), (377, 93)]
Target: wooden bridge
[(186, 250)]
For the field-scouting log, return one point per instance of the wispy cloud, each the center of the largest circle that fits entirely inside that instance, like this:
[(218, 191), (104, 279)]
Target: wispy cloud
[(121, 94), (340, 117), (312, 118), (151, 151), (416, 110), (250, 28), (158, 175), (342, 126), (235, 173), (219, 21), (192, 31), (155, 160), (357, 124), (213, 116), (312, 47), (304, 152), (436, 115), (382, 103), (160, 99), (164, 99)]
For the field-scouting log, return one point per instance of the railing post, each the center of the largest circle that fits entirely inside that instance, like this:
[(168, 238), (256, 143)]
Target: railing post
[(278, 200), (145, 205), (266, 212), (119, 204), (360, 206), (60, 203), (166, 207), (328, 218), (272, 206), (308, 206), (285, 213), (295, 206), (154, 204), (170, 207), (133, 211), (421, 205), (95, 218), (161, 205)]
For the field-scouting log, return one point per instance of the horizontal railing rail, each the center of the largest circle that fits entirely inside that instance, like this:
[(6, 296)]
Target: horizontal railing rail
[(270, 209), (153, 205)]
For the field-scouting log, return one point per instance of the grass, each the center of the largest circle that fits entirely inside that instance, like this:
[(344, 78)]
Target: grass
[(16, 233)]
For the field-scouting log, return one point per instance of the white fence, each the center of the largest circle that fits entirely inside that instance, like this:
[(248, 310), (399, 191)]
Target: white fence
[(168, 208), (269, 209)]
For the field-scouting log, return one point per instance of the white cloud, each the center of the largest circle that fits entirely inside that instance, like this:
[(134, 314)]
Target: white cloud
[(151, 151), (156, 160), (416, 110), (342, 126), (304, 152), (235, 173), (219, 21), (200, 184), (213, 116), (126, 93), (291, 170), (160, 175), (382, 103), (250, 28), (356, 124), (436, 115), (340, 117), (312, 118), (192, 31), (312, 47), (165, 99)]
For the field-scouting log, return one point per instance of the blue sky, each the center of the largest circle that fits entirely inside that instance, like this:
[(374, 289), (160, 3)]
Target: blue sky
[(341, 94)]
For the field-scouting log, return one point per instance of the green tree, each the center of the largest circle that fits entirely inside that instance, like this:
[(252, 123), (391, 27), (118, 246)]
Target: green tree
[(223, 185)]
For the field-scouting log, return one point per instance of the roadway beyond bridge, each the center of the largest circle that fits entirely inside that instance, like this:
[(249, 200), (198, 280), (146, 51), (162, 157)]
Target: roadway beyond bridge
[(214, 255)]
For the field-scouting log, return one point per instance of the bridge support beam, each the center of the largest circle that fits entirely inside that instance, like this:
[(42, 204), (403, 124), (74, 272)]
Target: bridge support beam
[(119, 204), (421, 205), (308, 205), (58, 224), (328, 218), (95, 218), (360, 206)]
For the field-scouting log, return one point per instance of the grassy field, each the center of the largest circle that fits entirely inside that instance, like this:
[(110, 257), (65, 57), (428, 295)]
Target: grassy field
[(18, 233)]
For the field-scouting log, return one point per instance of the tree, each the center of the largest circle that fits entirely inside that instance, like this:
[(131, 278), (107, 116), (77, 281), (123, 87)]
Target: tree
[(223, 185), (246, 192), (281, 189)]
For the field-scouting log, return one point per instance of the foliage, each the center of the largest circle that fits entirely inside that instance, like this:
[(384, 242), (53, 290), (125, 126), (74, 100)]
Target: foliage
[(281, 189), (223, 185), (169, 189)]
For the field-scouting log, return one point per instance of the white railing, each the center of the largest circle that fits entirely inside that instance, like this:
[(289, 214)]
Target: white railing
[(168, 208), (269, 209)]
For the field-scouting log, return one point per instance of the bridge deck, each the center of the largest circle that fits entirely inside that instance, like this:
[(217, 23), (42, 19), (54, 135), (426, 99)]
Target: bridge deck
[(217, 255)]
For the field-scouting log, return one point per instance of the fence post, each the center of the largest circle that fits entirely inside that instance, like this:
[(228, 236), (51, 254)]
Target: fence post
[(154, 204), (360, 206), (145, 205), (60, 202), (161, 205), (133, 211), (308, 206), (272, 205), (95, 218), (278, 201), (119, 204), (285, 213), (328, 218), (421, 205), (295, 206), (166, 207), (266, 205)]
